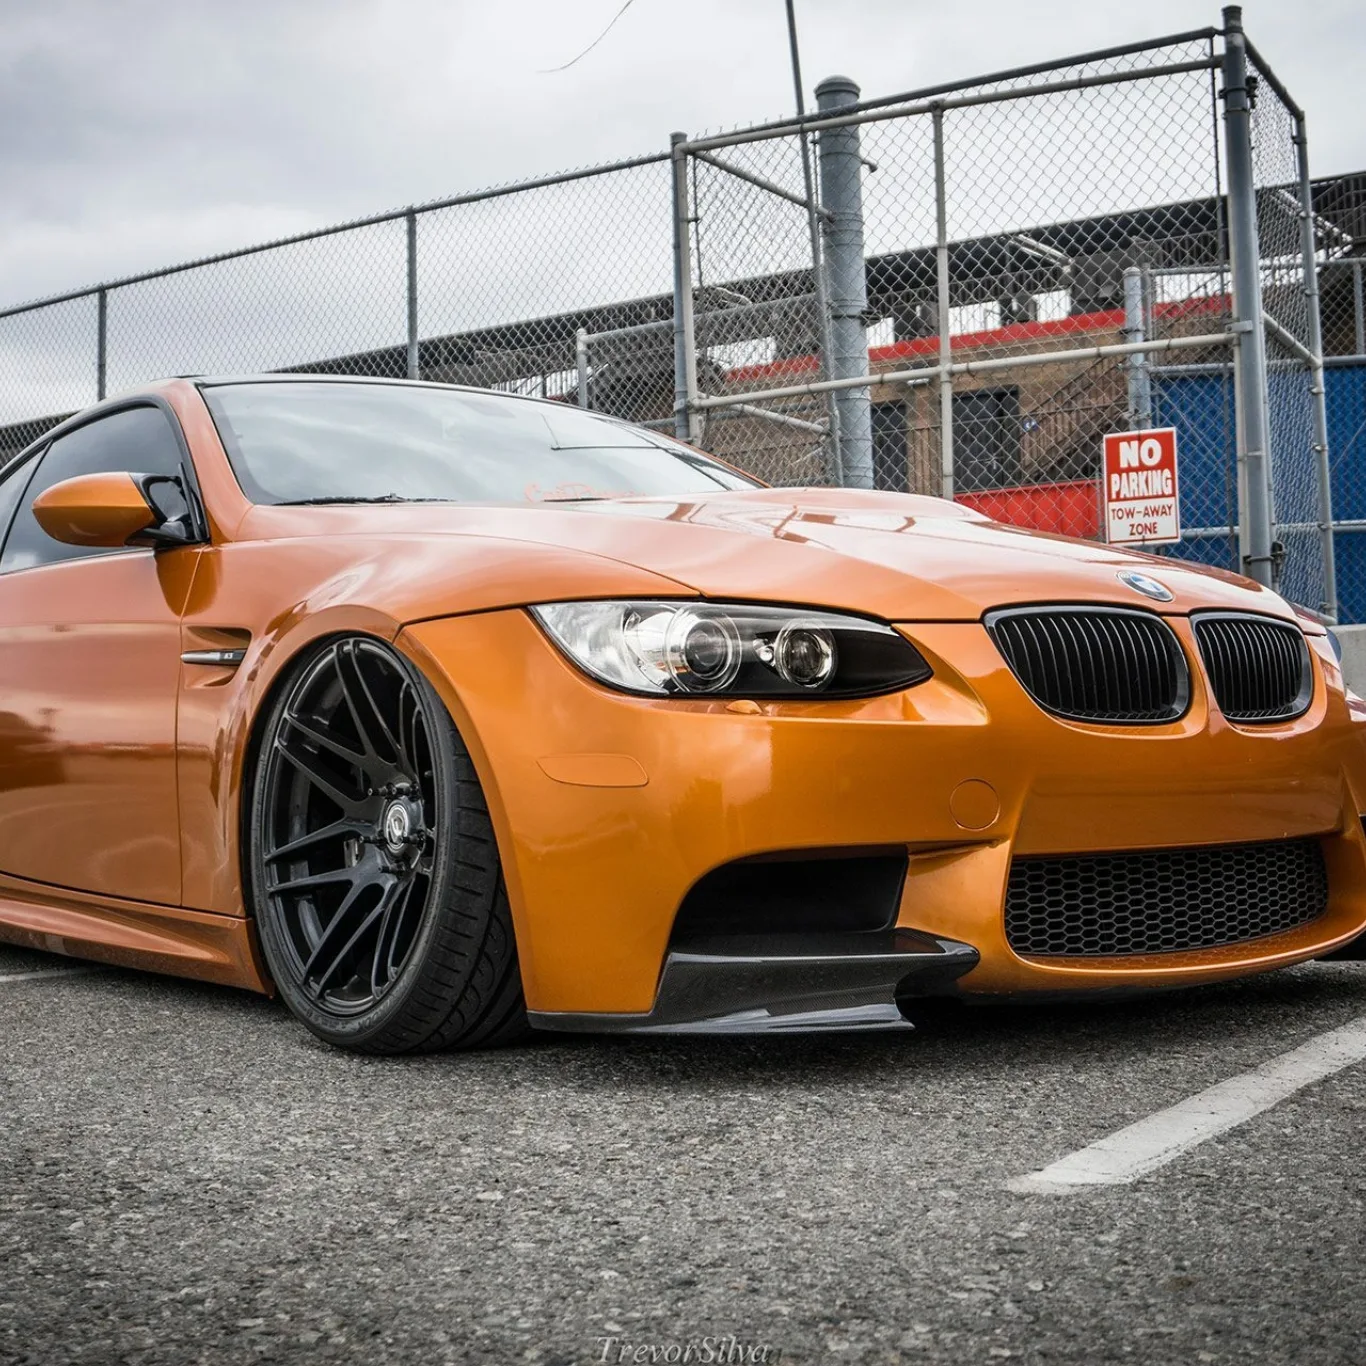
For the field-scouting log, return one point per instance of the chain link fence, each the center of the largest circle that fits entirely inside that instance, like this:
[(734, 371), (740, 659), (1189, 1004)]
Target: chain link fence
[(952, 291), (489, 289), (1342, 292)]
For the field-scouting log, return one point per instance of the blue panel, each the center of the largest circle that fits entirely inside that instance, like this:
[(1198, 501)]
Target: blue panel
[(1200, 407), (1346, 403)]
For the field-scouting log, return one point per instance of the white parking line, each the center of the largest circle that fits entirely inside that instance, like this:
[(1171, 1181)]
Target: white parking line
[(45, 972), (1151, 1143)]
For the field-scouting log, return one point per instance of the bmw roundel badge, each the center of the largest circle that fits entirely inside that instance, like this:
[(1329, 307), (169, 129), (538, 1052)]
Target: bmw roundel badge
[(1141, 583)]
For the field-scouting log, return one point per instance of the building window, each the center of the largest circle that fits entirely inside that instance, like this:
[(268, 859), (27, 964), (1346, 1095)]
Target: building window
[(986, 439)]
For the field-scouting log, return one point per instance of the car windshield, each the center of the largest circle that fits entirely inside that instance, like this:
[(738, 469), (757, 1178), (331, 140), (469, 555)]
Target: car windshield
[(302, 442)]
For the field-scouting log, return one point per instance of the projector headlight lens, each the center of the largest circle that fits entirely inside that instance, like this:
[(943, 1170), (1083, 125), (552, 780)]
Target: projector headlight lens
[(674, 649), (805, 655)]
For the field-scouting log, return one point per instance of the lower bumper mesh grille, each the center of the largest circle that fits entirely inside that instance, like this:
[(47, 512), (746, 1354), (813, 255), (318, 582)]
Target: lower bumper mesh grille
[(1163, 901)]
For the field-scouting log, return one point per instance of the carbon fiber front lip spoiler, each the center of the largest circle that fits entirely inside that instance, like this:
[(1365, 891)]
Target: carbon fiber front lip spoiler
[(806, 983)]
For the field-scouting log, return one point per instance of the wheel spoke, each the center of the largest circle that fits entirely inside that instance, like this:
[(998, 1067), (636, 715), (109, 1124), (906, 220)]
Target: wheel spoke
[(326, 741), (325, 782), (312, 838), (361, 703), (334, 928), (403, 920), (388, 937), (395, 748), (407, 728), (312, 880)]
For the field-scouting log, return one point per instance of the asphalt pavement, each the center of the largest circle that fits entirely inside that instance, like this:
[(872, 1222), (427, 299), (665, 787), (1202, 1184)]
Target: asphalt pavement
[(188, 1176)]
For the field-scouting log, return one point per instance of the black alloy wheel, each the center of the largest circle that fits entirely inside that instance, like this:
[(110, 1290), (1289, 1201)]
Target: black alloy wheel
[(378, 893)]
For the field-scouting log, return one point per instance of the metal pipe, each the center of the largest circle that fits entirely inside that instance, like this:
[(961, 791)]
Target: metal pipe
[(941, 256), (101, 342), (1289, 340), (926, 374), (834, 446), (414, 365), (1140, 383), (1317, 387), (686, 422), (1041, 250), (1249, 388), (761, 183), (841, 177), (881, 115), (1218, 367), (581, 364), (781, 419), (1013, 73)]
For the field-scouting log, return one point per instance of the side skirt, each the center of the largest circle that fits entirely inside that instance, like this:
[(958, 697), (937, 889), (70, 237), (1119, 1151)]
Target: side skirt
[(132, 934)]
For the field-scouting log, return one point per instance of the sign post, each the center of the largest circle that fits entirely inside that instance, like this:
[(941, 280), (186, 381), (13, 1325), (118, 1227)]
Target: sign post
[(1140, 488)]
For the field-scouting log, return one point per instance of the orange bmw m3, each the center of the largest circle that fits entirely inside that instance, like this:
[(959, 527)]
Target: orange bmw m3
[(445, 714)]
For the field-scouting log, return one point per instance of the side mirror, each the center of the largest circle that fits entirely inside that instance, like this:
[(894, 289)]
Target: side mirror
[(111, 510)]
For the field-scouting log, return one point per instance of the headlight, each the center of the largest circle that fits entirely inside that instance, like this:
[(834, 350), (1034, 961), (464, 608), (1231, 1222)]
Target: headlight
[(675, 649)]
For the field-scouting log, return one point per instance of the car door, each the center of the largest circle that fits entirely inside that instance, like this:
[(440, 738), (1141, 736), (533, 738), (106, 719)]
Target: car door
[(89, 667)]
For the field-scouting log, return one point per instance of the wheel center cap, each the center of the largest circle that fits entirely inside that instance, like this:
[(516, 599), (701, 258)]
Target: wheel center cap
[(396, 826)]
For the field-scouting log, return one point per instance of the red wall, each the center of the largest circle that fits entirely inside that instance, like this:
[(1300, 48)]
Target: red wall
[(1070, 509)]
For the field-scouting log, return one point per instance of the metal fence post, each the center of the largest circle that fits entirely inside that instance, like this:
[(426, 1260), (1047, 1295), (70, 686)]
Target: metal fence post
[(1249, 389), (1317, 388), (581, 364), (1140, 381), (414, 366), (841, 174), (686, 424), (941, 256), (1358, 310), (101, 342), (834, 451)]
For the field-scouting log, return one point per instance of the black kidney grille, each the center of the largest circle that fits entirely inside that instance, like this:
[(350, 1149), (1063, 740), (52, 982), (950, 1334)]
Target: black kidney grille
[(1095, 663), (1165, 901), (1258, 668)]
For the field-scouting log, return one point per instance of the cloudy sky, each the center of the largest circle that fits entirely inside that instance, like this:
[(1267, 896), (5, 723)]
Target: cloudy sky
[(138, 132)]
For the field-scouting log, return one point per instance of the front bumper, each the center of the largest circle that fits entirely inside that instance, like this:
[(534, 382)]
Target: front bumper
[(609, 808)]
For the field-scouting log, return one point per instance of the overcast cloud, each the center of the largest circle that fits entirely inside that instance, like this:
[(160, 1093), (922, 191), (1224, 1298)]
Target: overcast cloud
[(134, 133)]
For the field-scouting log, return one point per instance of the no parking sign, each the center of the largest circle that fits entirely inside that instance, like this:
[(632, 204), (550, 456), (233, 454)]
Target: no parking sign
[(1140, 488)]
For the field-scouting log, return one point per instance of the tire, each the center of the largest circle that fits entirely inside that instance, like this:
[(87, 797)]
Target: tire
[(374, 871)]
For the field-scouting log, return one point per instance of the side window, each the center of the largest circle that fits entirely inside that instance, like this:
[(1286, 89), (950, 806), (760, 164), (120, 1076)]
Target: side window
[(13, 482), (139, 440)]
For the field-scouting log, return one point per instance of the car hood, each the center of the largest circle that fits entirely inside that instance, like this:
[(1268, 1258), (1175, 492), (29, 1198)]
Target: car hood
[(900, 557)]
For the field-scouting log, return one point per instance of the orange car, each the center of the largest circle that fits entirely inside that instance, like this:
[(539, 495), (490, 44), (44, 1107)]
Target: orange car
[(443, 712)]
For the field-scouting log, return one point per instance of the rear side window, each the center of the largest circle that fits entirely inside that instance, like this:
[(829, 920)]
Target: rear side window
[(136, 440)]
